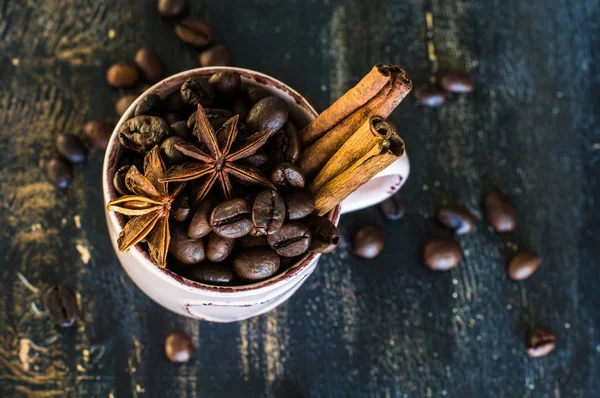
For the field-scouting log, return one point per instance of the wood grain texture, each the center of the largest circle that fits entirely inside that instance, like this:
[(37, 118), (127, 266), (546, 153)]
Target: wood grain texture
[(382, 328)]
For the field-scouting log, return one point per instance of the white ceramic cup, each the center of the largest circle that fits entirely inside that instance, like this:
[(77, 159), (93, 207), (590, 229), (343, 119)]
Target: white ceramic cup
[(230, 303)]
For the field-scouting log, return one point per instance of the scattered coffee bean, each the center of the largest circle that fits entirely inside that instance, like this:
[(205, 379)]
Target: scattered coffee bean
[(286, 175), (217, 55), (324, 235), (184, 248), (122, 75), (61, 304), (171, 8), (368, 241), (142, 133), (268, 212), (151, 104), (97, 134), (269, 113), (71, 147), (286, 144), (218, 248), (226, 84), (430, 96), (60, 172), (500, 211), (457, 82), (456, 218), (149, 64), (214, 274), (522, 266), (169, 152), (299, 204), (194, 32), (200, 224), (181, 208), (248, 241), (231, 218), (124, 103), (256, 264), (119, 180), (196, 90), (292, 239), (393, 208), (442, 254), (540, 343), (178, 347)]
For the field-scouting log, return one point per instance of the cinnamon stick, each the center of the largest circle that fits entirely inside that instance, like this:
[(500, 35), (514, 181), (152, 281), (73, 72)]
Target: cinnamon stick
[(370, 139), (356, 97), (341, 186), (382, 104)]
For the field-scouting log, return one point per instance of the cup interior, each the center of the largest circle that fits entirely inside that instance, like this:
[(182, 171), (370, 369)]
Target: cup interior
[(301, 113)]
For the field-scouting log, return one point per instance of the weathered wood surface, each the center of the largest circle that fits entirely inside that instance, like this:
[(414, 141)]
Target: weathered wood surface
[(367, 329)]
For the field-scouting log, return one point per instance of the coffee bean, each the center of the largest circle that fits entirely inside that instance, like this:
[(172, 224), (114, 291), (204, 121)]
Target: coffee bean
[(456, 218), (194, 32), (200, 224), (299, 204), (169, 152), (292, 239), (172, 118), (256, 93), (286, 144), (151, 105), (226, 84), (256, 264), (231, 218), (250, 240), (540, 343), (71, 147), (393, 208), (286, 175), (184, 248), (60, 172), (180, 209), (181, 130), (324, 235), (124, 103), (442, 254), (268, 212), (122, 75), (171, 8), (522, 266), (217, 55), (214, 274), (457, 82), (500, 211), (218, 248), (61, 304), (259, 160), (179, 347), (142, 133), (174, 103), (216, 117), (239, 106), (149, 64), (97, 134), (269, 113), (430, 96), (196, 90), (368, 241), (119, 180)]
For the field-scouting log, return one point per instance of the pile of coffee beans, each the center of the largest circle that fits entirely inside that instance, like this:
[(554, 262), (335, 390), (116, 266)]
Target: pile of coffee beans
[(452, 82), (257, 232)]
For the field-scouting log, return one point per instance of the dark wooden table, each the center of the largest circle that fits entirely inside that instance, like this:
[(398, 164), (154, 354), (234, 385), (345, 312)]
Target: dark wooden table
[(382, 328)]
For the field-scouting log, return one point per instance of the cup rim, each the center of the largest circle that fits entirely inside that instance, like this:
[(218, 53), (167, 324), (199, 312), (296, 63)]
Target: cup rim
[(117, 221)]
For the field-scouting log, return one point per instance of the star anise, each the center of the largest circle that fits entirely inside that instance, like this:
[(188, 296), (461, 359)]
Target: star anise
[(149, 208), (221, 161)]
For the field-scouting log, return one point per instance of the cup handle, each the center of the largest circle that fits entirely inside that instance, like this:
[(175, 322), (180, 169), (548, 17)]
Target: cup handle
[(380, 187)]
